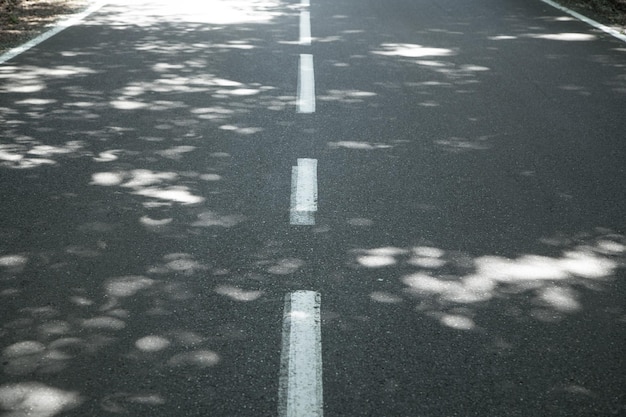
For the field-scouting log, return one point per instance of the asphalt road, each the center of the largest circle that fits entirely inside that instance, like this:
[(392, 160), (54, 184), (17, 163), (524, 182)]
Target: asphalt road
[(468, 246)]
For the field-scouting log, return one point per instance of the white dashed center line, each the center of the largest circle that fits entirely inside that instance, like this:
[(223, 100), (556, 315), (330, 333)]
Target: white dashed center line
[(303, 192), (300, 388), (305, 28), (306, 85)]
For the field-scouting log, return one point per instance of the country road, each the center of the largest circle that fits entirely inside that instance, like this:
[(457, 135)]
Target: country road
[(301, 208)]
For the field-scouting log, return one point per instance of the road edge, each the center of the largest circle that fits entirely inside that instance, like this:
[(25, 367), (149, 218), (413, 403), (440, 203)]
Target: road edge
[(58, 27), (587, 20)]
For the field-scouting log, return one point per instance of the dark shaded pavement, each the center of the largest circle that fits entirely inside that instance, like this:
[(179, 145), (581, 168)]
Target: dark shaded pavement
[(469, 246)]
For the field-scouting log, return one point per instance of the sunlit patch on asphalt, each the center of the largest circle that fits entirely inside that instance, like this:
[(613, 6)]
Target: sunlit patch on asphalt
[(443, 280), (238, 294), (409, 50), (196, 359), (35, 399), (152, 343)]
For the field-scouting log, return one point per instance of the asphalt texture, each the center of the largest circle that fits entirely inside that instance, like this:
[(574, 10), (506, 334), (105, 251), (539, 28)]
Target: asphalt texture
[(469, 242)]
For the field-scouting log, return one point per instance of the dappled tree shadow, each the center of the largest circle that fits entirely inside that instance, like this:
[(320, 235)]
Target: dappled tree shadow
[(144, 244)]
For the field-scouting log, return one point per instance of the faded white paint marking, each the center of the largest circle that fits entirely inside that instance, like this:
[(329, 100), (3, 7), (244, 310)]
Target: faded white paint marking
[(587, 20), (303, 192), (300, 389), (306, 85), (305, 28)]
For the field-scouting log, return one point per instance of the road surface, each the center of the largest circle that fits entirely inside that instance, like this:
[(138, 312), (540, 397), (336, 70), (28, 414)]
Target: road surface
[(269, 207)]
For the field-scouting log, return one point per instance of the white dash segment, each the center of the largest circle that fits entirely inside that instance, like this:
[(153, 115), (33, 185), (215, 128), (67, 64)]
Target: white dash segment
[(300, 388), (306, 85), (305, 27), (305, 3), (306, 191), (303, 192)]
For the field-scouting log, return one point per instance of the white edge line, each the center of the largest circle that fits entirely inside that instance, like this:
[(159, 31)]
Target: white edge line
[(587, 20), (58, 27), (300, 385), (306, 85)]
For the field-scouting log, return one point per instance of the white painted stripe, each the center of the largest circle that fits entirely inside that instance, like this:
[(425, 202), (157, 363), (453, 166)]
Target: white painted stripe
[(306, 192), (63, 24), (305, 3), (587, 20), (300, 389), (305, 27), (303, 192), (306, 85)]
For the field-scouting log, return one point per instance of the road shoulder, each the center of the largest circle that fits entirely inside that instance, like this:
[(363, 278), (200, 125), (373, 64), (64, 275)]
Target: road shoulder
[(22, 21)]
